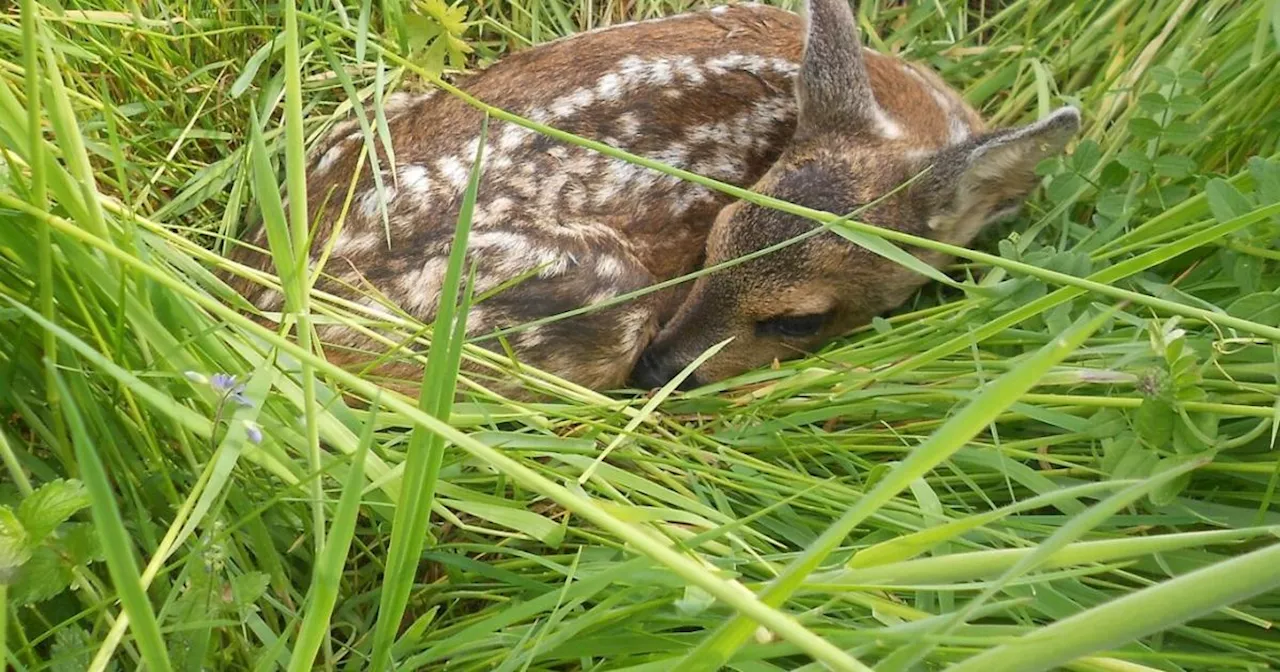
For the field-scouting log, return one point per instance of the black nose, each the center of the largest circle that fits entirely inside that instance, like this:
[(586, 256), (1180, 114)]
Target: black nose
[(653, 370)]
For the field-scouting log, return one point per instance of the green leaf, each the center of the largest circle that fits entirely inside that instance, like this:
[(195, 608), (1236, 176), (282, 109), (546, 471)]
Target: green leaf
[(1225, 201), (1164, 75), (1113, 174), (1063, 187), (1152, 103), (1111, 205), (539, 527), (42, 577), (1171, 165), (1154, 421), (1182, 133), (1266, 174), (1185, 104), (51, 505), (1262, 307), (1086, 155), (1125, 458), (1134, 160), (1165, 493), (254, 64), (246, 589), (1144, 129), (15, 546)]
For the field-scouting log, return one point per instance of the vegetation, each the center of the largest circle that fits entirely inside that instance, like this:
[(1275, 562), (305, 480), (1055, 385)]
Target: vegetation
[(1068, 458)]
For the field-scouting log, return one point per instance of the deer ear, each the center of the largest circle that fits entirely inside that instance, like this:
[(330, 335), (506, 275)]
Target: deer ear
[(833, 88), (988, 178)]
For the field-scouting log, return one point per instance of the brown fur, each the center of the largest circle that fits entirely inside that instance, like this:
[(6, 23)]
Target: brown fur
[(710, 92), (867, 124)]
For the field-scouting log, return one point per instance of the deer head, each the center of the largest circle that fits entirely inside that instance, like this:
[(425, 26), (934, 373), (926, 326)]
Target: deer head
[(849, 150)]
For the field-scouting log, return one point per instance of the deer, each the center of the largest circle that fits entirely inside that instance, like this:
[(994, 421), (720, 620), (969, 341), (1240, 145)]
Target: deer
[(786, 105)]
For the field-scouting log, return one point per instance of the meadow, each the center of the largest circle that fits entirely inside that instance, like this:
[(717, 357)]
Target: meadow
[(1063, 459)]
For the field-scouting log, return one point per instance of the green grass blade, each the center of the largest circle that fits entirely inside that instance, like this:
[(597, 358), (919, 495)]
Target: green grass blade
[(1135, 615), (326, 577), (426, 448), (115, 539), (999, 395)]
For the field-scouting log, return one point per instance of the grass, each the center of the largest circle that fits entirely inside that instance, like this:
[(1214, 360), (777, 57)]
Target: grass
[(1065, 457)]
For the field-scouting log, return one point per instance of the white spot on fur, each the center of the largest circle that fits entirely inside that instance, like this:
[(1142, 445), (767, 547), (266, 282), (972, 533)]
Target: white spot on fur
[(674, 155), (628, 125), (885, 125), (453, 170), (369, 201), (421, 288), (512, 137), (329, 158), (269, 300), (609, 87), (609, 267), (567, 106), (531, 337), (958, 128), (354, 244), (512, 254), (414, 181)]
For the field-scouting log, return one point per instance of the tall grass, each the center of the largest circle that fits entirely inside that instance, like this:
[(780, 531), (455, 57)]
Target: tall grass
[(1063, 456)]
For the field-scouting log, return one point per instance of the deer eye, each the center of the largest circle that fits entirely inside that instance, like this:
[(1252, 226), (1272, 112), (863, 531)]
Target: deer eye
[(793, 326)]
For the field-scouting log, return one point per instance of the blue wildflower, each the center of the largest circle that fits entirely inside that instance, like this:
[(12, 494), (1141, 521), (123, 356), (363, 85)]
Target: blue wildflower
[(222, 382), (225, 384)]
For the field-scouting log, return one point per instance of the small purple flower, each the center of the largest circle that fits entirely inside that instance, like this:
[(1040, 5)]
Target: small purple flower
[(222, 382), (225, 384), (253, 430)]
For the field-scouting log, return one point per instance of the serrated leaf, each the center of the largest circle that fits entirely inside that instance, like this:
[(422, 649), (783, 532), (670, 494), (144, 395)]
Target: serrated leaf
[(15, 548), (43, 576), (79, 544), (247, 589), (72, 650), (50, 506)]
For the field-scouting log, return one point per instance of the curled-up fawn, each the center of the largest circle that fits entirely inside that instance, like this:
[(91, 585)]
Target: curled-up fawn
[(750, 95)]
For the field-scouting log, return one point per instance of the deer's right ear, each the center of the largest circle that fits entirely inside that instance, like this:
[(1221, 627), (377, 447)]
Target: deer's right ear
[(833, 88)]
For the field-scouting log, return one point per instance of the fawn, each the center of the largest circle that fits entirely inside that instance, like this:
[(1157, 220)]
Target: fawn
[(749, 95)]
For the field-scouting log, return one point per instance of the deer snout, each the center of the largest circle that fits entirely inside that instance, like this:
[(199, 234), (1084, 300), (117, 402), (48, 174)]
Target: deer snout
[(657, 367)]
